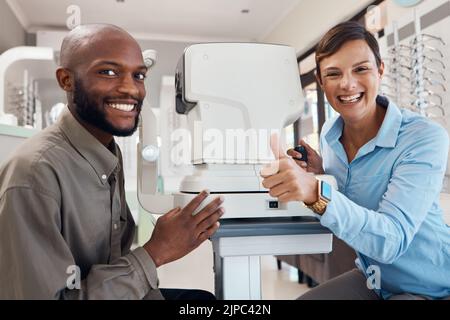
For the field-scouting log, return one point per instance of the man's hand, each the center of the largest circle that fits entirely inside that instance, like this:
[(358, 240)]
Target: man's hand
[(178, 232), (286, 180), (314, 163)]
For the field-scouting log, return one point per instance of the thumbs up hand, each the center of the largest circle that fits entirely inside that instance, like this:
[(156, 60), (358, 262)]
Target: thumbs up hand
[(285, 179)]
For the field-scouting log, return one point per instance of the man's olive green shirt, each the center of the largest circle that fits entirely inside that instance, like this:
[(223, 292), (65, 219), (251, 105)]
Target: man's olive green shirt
[(63, 209)]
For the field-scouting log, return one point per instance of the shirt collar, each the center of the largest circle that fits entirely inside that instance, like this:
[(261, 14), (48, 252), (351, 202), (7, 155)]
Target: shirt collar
[(388, 132), (386, 137), (99, 157)]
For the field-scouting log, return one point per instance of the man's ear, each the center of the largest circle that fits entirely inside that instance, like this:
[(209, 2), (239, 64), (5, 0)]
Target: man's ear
[(65, 79)]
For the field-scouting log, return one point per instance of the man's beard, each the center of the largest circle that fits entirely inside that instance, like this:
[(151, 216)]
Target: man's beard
[(91, 112)]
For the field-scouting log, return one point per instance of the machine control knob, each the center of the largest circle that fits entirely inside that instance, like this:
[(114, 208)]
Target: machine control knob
[(150, 153), (303, 152)]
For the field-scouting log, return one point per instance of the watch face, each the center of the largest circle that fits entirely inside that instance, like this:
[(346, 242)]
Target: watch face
[(325, 190)]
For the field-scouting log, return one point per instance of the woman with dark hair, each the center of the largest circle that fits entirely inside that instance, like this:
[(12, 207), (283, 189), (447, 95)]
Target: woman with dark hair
[(389, 164)]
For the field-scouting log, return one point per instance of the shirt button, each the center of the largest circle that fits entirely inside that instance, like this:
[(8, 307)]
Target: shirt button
[(104, 177), (115, 226)]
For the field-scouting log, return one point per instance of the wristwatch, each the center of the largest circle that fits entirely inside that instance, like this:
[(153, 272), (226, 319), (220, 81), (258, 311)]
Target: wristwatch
[(324, 190)]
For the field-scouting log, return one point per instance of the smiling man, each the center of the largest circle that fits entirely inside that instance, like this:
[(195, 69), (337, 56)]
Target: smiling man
[(65, 227), (107, 85)]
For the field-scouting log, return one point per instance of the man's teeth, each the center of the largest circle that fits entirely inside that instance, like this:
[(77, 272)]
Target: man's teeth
[(123, 107), (351, 99)]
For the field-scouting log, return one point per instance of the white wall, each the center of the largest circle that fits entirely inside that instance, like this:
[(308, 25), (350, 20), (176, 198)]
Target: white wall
[(307, 22), (12, 34), (395, 12)]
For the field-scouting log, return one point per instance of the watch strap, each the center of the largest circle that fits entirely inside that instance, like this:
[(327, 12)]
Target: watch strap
[(320, 205)]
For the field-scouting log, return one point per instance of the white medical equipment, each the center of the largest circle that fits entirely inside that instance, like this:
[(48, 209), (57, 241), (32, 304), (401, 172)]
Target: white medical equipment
[(19, 67), (230, 97), (212, 131)]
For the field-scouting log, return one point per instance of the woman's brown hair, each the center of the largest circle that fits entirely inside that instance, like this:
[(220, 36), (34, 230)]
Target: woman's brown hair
[(333, 40)]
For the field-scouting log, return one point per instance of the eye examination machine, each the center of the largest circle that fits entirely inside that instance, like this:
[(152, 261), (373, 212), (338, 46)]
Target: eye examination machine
[(213, 132)]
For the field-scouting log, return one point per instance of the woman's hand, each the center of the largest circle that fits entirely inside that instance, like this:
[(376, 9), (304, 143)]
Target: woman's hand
[(314, 163), (286, 180)]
